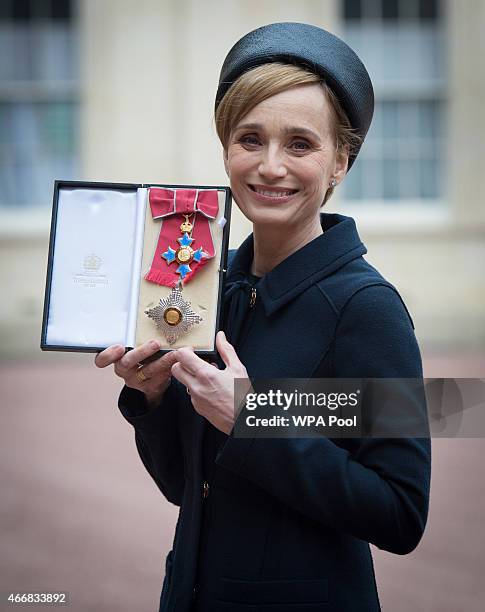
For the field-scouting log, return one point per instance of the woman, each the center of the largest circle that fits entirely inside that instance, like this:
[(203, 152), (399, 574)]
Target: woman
[(283, 524)]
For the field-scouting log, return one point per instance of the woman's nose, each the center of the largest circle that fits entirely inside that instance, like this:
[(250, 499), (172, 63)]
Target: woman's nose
[(272, 165)]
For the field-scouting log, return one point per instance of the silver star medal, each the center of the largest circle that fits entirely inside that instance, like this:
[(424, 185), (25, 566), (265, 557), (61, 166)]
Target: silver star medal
[(173, 316)]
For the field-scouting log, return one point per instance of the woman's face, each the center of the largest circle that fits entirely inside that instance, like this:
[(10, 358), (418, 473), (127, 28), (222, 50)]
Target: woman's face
[(281, 157)]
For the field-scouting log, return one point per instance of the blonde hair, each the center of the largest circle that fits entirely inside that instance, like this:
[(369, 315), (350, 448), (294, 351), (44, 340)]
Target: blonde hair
[(267, 80)]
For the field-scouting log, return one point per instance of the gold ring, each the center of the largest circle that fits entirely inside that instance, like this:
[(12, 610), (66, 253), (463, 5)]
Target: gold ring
[(140, 374)]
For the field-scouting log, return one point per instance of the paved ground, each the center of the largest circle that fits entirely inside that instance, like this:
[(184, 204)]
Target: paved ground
[(79, 513)]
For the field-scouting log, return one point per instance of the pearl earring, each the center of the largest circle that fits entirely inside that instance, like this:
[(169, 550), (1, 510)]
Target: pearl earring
[(333, 182)]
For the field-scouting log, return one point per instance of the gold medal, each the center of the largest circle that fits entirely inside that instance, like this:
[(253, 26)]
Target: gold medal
[(184, 254), (173, 316)]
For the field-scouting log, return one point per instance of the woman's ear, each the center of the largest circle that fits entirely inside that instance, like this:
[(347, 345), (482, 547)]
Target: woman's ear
[(341, 164), (226, 162)]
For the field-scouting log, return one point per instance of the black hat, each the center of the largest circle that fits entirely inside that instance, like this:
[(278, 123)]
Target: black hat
[(314, 49)]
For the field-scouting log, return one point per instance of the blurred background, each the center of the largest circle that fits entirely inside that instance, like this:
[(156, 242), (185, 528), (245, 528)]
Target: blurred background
[(123, 90)]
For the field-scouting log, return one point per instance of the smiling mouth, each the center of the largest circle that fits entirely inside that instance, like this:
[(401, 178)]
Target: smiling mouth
[(272, 192)]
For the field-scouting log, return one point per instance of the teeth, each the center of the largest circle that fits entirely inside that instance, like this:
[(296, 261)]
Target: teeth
[(273, 194)]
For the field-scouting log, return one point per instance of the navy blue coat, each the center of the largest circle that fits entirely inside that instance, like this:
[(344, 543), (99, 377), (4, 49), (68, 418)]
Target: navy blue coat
[(284, 524)]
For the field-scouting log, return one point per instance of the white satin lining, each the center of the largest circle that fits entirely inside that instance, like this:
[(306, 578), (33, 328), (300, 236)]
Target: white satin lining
[(94, 288)]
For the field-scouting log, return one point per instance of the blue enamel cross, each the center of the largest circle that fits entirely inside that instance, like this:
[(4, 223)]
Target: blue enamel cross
[(184, 255)]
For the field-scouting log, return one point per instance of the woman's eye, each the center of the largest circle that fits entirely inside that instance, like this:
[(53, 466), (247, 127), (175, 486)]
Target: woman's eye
[(300, 146), (249, 140)]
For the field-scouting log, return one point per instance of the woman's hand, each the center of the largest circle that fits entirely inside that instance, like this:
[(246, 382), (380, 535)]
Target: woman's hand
[(154, 377), (211, 389)]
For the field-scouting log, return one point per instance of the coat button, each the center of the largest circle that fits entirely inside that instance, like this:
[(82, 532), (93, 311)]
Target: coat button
[(205, 489)]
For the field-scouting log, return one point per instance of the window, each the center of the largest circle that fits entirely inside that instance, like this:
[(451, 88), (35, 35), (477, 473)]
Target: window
[(38, 99), (401, 42)]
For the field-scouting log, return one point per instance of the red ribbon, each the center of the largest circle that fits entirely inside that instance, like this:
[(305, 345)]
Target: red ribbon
[(171, 205)]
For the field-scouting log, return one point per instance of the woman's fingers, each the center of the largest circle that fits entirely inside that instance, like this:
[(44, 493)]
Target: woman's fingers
[(189, 360), (227, 351), (158, 371), (161, 368), (109, 355), (191, 370), (151, 379), (129, 363), (183, 376), (134, 357)]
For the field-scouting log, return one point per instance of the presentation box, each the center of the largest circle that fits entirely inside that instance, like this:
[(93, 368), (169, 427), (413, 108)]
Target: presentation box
[(134, 262)]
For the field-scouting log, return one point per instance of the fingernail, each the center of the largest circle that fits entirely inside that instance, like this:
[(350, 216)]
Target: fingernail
[(117, 347), (155, 345)]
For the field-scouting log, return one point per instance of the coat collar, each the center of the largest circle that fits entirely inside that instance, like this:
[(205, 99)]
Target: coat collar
[(339, 244)]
